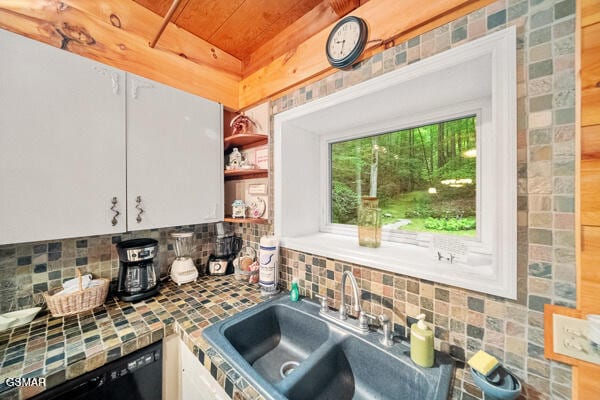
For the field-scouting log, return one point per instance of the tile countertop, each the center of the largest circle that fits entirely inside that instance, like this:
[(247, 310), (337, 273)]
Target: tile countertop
[(63, 348)]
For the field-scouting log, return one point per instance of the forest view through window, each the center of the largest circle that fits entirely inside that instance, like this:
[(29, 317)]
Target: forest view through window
[(424, 177)]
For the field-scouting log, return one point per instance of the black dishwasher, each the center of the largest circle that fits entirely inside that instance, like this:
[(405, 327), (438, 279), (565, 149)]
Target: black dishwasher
[(136, 376)]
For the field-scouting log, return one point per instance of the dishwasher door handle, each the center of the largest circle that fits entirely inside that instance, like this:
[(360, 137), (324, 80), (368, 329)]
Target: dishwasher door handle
[(87, 386)]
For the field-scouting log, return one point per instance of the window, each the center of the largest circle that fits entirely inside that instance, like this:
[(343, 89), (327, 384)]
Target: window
[(324, 159), (424, 177)]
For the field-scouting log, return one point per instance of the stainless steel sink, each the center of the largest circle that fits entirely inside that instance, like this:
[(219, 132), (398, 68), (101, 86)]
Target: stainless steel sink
[(288, 351)]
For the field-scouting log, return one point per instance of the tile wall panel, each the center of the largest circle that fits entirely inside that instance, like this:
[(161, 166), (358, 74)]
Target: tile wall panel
[(465, 321)]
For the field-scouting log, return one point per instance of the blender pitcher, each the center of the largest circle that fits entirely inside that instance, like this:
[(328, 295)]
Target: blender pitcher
[(183, 269)]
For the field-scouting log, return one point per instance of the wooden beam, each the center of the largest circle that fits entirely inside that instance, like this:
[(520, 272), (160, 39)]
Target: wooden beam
[(140, 21), (56, 23), (389, 21), (343, 7), (308, 25), (165, 22)]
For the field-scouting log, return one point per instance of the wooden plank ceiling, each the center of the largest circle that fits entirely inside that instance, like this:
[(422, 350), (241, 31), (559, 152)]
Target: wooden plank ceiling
[(243, 27)]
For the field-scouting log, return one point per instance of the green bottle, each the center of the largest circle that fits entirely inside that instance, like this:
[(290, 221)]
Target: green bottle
[(294, 293), (421, 343)]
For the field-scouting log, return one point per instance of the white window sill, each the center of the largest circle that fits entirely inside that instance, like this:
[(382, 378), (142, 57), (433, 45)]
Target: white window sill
[(400, 258)]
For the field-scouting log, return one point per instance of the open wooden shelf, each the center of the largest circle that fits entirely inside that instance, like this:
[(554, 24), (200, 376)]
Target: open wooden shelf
[(252, 146), (246, 173), (247, 220), (245, 140)]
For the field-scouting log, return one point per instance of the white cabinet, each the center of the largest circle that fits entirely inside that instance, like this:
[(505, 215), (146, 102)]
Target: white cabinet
[(62, 143), (184, 378), (76, 134), (171, 377), (196, 381), (174, 156)]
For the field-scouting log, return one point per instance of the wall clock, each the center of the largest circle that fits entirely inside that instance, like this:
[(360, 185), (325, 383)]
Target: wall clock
[(346, 41)]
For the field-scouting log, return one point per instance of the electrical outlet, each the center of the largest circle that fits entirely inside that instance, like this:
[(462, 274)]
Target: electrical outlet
[(571, 338)]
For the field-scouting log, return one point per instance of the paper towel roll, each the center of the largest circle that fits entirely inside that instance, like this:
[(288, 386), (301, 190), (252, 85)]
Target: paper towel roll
[(269, 263)]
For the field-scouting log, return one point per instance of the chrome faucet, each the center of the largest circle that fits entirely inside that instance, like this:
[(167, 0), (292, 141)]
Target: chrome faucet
[(360, 325), (355, 292)]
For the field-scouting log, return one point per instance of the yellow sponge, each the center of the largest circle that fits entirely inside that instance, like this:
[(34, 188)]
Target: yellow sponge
[(483, 363)]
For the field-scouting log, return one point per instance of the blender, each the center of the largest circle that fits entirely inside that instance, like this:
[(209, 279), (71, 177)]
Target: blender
[(227, 246), (183, 269)]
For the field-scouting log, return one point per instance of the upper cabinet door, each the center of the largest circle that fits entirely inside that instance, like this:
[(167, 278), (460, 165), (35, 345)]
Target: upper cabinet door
[(174, 157), (62, 143)]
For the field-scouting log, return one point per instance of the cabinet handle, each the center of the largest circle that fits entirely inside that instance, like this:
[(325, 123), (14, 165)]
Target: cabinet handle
[(137, 85), (138, 207), (114, 202)]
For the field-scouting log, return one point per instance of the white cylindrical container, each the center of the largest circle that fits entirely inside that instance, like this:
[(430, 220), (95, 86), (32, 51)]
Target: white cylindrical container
[(269, 265)]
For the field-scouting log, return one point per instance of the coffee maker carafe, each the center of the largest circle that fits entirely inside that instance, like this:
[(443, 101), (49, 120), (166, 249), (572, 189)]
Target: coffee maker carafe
[(137, 273)]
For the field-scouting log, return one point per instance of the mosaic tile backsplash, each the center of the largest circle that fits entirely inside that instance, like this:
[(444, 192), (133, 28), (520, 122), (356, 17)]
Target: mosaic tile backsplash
[(463, 321), (32, 268)]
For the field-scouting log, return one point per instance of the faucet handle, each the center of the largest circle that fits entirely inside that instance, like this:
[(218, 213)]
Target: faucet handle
[(324, 303), (386, 326), (363, 321)]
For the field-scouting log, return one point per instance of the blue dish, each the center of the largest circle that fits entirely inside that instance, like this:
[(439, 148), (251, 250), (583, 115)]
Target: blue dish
[(506, 386)]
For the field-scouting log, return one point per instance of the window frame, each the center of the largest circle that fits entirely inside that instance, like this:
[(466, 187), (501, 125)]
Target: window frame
[(481, 109), (453, 82)]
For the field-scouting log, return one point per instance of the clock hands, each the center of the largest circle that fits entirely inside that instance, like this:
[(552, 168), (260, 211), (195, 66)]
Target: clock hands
[(342, 48)]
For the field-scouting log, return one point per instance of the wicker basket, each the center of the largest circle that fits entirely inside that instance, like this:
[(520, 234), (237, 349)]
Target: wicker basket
[(61, 305)]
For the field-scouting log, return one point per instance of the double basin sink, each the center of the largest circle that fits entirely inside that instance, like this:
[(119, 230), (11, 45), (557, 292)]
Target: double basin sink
[(288, 350)]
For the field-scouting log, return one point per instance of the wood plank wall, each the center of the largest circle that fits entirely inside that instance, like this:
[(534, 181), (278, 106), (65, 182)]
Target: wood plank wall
[(586, 377), (390, 22), (589, 299)]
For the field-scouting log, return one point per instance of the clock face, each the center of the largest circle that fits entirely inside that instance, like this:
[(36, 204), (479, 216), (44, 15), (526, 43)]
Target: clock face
[(346, 41)]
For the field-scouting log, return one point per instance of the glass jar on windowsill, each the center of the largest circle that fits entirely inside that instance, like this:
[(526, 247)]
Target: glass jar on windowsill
[(369, 222)]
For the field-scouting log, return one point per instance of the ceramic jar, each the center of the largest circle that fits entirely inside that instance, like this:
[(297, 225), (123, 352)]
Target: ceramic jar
[(238, 209)]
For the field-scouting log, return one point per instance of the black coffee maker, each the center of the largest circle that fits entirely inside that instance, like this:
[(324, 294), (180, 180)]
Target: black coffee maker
[(137, 271)]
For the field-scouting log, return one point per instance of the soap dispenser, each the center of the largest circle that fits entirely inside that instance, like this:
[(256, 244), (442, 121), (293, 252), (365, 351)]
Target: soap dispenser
[(421, 343), (294, 293)]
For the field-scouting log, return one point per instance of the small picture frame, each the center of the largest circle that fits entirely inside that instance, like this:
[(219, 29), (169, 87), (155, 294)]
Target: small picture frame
[(261, 158), (257, 188)]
